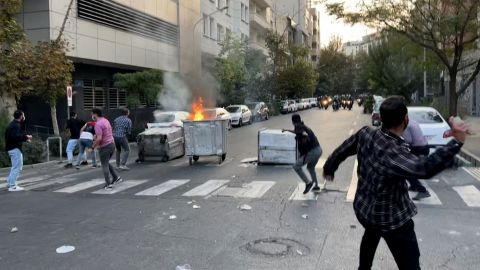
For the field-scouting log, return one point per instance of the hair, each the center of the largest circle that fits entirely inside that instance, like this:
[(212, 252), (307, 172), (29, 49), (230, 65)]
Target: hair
[(72, 114), (97, 111), (17, 114), (393, 111), (296, 118), (125, 111)]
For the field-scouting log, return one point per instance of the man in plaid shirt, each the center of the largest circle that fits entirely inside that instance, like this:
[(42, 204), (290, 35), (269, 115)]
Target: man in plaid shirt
[(382, 204), (122, 126)]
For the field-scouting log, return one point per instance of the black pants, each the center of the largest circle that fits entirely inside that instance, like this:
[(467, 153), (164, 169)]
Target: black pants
[(402, 242), (415, 183)]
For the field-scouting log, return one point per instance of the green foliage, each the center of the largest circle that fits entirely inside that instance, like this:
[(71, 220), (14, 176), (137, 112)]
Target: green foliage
[(335, 70), (10, 31), (297, 80), (147, 84), (34, 152), (277, 51)]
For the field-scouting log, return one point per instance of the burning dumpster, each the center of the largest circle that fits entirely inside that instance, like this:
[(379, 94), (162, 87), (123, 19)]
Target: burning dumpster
[(166, 143), (276, 147), (205, 138)]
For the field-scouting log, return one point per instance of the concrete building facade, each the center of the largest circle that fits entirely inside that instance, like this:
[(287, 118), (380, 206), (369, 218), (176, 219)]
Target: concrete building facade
[(261, 21)]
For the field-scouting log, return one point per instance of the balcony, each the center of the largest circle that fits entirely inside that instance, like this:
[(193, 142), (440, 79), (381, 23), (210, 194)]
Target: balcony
[(263, 3), (259, 21), (259, 46)]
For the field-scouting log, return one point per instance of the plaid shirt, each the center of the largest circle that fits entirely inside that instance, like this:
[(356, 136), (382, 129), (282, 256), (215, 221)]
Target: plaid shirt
[(385, 161), (122, 126)]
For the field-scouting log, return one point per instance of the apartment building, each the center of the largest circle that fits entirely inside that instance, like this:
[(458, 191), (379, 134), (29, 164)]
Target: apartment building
[(353, 48), (219, 18), (261, 21), (111, 36)]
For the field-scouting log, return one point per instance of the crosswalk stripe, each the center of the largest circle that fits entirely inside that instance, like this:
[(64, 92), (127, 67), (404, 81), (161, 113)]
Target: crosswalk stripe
[(51, 182), (432, 200), (475, 172), (297, 194), (469, 194), (163, 187), (206, 188), (120, 187), (81, 186), (321, 163), (255, 189)]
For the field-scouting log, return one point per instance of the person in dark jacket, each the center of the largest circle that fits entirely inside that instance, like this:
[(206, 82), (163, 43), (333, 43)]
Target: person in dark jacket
[(74, 125), (310, 153), (14, 139), (382, 203)]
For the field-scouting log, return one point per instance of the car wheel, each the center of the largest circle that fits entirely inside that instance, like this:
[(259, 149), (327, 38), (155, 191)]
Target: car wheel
[(240, 123), (229, 125), (266, 116)]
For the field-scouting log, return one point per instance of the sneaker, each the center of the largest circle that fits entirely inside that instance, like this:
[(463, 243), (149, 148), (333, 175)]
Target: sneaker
[(108, 187), (118, 180), (16, 188), (84, 162), (124, 168), (308, 187), (421, 195), (316, 189), (68, 165), (94, 166)]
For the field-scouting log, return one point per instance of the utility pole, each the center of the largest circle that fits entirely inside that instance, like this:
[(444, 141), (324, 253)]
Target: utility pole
[(424, 73)]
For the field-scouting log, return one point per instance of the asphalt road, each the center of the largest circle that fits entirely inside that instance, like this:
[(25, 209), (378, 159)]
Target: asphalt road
[(131, 229)]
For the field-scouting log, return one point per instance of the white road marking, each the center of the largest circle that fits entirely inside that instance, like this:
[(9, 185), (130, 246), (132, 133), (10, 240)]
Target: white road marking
[(351, 132), (24, 181), (206, 188), (51, 182), (355, 123), (321, 163), (255, 189), (469, 194), (163, 187), (353, 184), (298, 195), (475, 172), (120, 187), (81, 186), (432, 200)]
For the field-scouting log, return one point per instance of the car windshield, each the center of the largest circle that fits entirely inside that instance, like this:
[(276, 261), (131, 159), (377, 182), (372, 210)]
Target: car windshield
[(233, 109), (425, 117), (253, 106), (164, 118)]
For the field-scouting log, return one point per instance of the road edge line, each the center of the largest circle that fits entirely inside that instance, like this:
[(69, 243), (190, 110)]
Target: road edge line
[(353, 184)]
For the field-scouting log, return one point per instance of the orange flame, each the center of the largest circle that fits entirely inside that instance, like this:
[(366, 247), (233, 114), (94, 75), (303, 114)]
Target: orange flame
[(198, 112)]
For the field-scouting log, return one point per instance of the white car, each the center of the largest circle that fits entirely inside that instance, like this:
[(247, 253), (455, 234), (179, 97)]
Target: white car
[(168, 119), (313, 102), (240, 114), (434, 127), (219, 113), (289, 106)]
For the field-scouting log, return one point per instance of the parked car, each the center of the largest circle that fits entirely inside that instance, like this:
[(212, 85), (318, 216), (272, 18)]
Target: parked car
[(306, 103), (289, 106), (240, 114), (168, 119), (313, 102), (376, 121), (259, 110), (218, 113), (433, 125)]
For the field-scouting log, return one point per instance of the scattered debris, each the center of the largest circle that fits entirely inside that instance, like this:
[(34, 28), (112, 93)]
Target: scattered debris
[(65, 249), (196, 206), (305, 216), (172, 217), (245, 207), (14, 230), (190, 202), (183, 267), (304, 204), (299, 252), (353, 226), (233, 176)]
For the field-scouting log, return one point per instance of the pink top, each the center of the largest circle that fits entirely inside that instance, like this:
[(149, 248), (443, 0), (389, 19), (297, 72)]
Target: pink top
[(104, 129)]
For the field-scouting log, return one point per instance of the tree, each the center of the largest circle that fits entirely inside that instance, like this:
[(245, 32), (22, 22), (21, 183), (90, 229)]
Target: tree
[(297, 80), (143, 84), (448, 28), (335, 70)]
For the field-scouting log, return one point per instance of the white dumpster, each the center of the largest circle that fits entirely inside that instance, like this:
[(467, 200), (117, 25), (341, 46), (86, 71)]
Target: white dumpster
[(276, 147)]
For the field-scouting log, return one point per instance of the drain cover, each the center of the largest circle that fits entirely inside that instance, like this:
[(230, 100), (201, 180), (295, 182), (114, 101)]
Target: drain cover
[(275, 247)]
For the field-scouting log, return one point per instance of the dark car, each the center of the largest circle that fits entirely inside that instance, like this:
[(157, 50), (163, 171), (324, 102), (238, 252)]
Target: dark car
[(259, 110)]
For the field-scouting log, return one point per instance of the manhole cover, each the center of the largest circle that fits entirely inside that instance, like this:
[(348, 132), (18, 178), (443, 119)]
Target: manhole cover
[(276, 247)]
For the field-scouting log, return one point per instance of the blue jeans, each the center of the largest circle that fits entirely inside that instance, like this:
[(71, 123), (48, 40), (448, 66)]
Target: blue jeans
[(72, 144), (83, 144), (16, 157), (310, 159)]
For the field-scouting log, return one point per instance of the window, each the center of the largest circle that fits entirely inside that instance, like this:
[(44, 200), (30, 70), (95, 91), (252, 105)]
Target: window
[(242, 7), (219, 4), (205, 25), (116, 98), (227, 4), (228, 31), (212, 28), (246, 14), (220, 33), (93, 94)]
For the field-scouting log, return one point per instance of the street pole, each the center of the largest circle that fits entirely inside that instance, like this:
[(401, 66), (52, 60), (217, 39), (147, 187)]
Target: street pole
[(424, 73)]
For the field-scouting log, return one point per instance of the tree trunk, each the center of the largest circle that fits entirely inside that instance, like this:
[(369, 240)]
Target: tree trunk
[(453, 97), (53, 113)]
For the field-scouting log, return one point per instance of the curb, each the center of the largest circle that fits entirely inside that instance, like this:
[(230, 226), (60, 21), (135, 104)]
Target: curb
[(473, 159)]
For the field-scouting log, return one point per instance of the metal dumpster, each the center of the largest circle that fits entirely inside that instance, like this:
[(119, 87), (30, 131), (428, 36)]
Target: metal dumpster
[(205, 138), (166, 143), (276, 147)]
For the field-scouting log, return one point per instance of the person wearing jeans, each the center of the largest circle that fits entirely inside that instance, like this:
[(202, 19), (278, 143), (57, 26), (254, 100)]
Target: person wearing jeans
[(382, 204), (73, 125), (122, 126), (310, 153), (104, 143), (14, 139), (86, 142)]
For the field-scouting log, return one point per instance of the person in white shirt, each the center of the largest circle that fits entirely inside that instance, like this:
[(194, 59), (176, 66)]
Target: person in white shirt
[(87, 134)]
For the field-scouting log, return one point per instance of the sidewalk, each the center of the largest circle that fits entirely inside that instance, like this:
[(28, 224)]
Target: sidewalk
[(472, 145)]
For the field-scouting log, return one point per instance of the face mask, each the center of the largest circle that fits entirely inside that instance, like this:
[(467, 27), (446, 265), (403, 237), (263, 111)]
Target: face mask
[(94, 118)]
